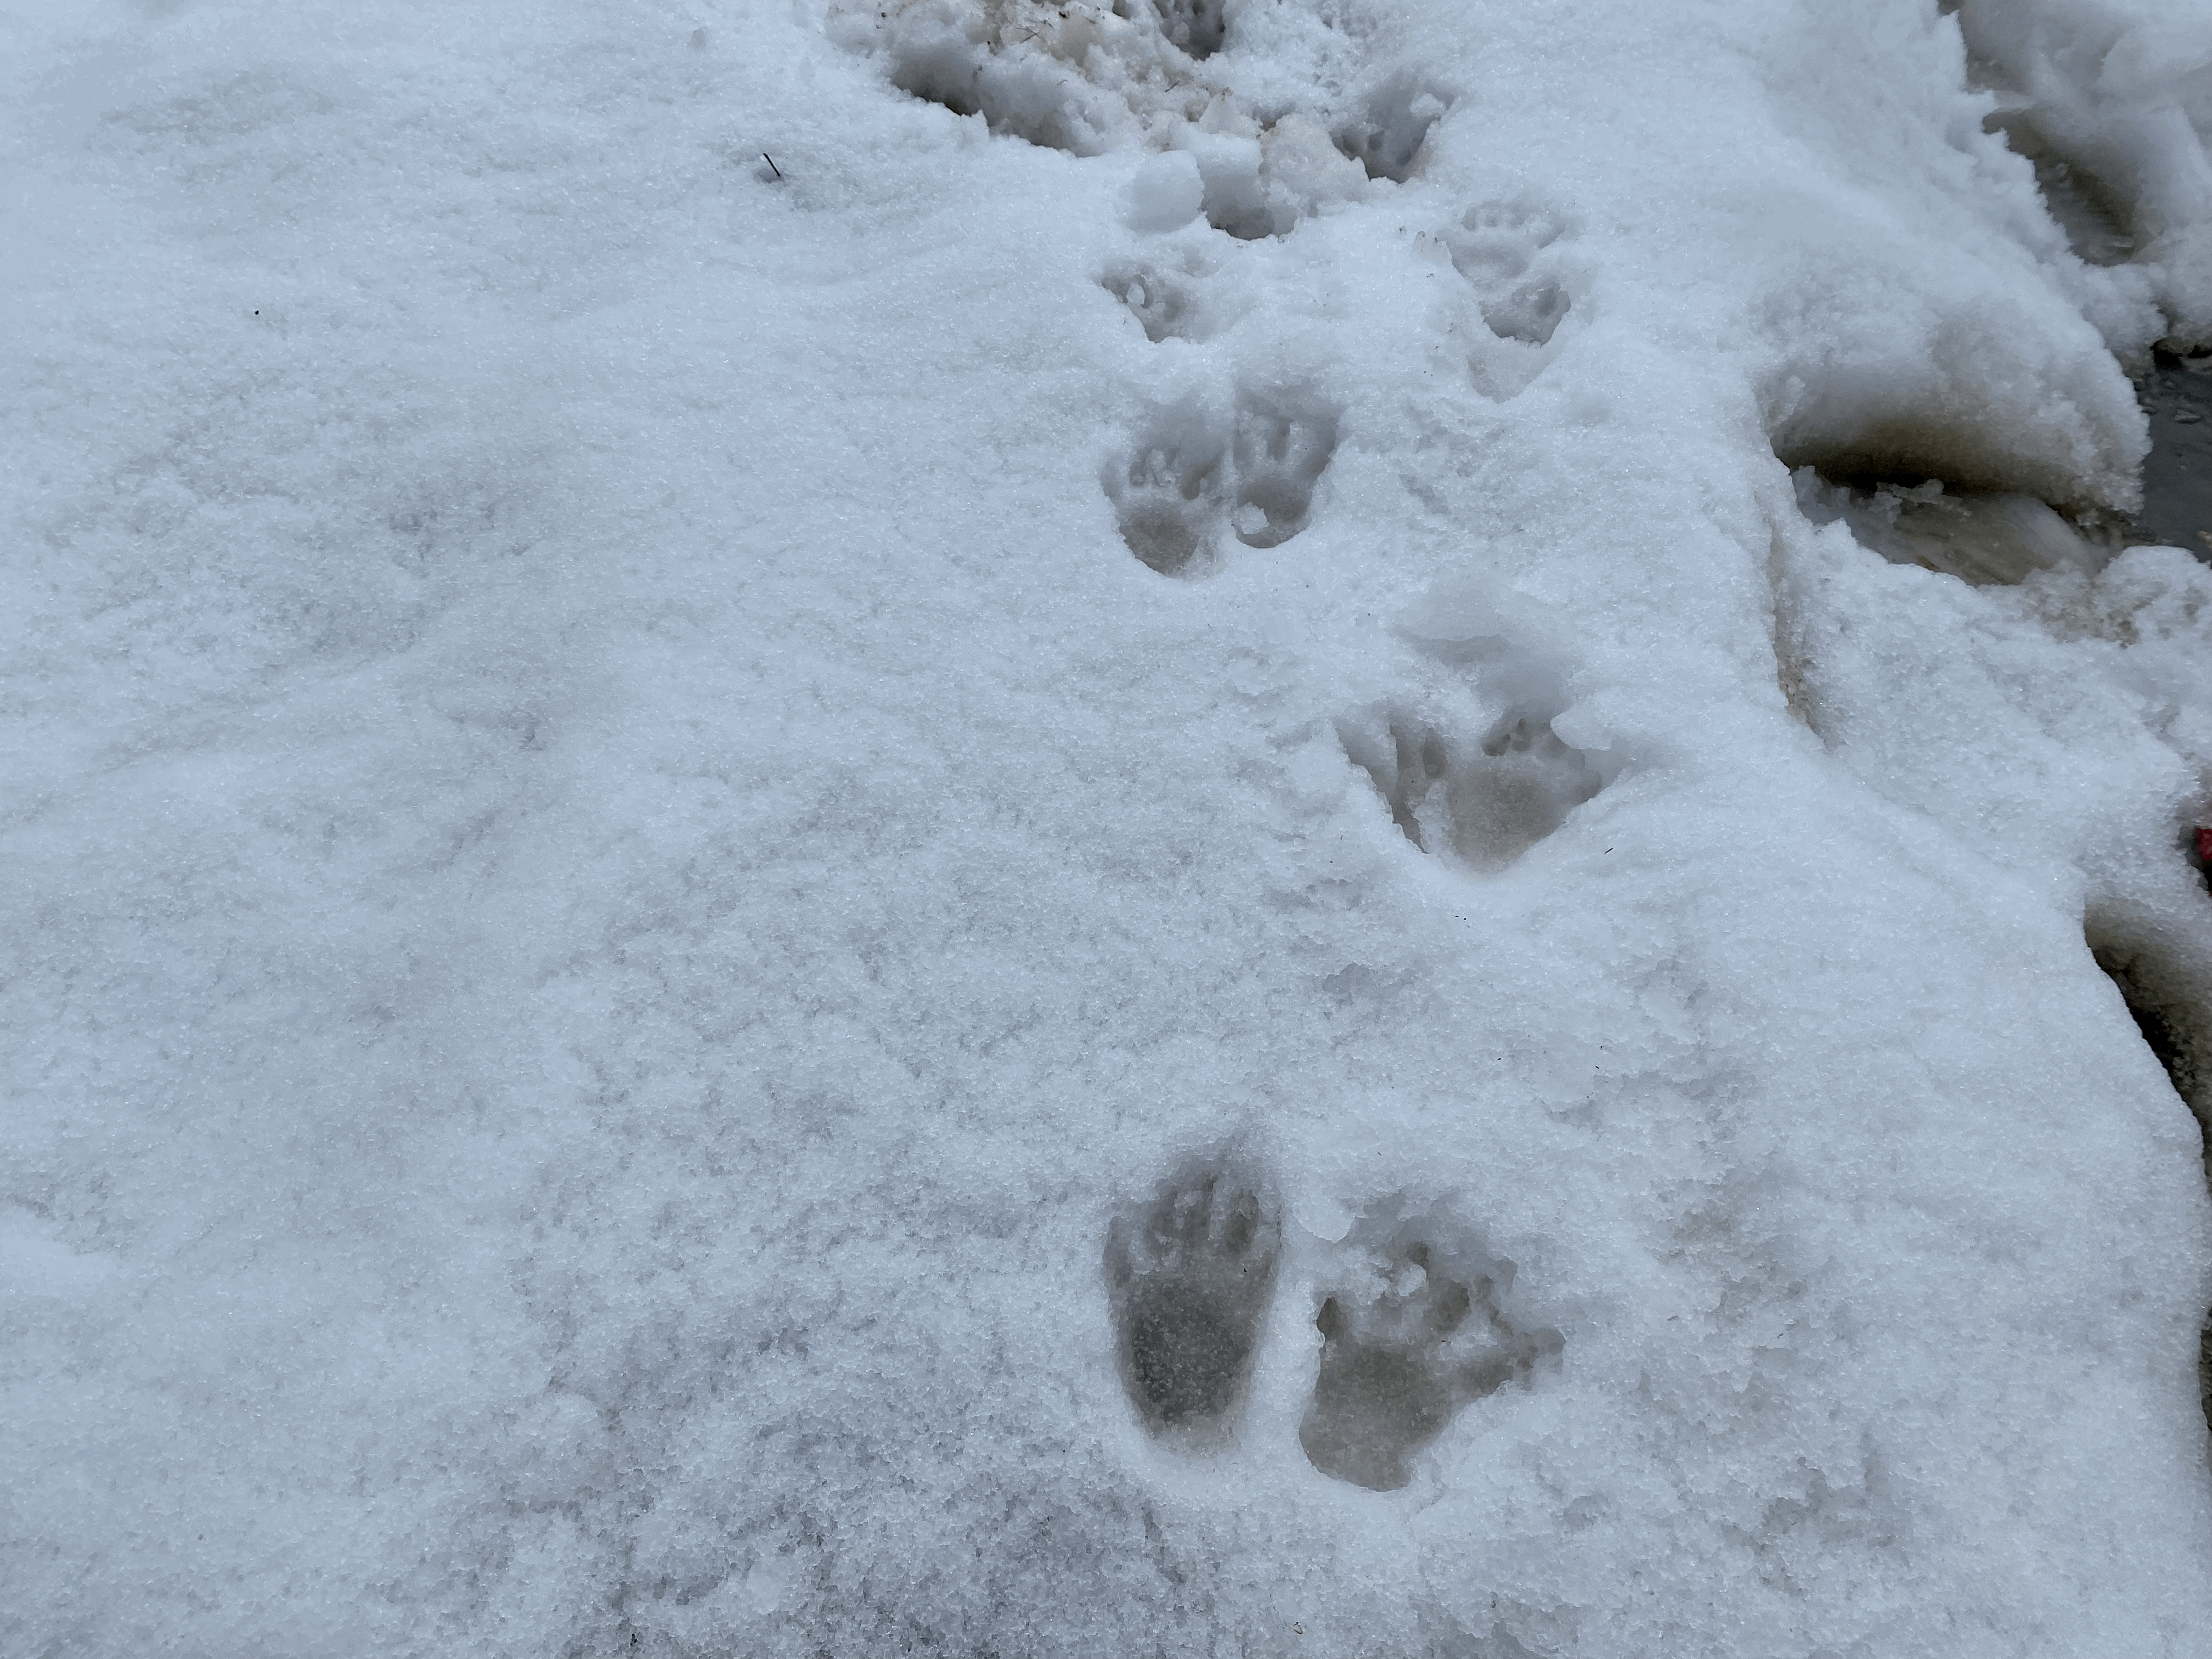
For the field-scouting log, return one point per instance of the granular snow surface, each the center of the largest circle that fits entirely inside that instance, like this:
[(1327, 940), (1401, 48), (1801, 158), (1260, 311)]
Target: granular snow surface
[(1190, 827)]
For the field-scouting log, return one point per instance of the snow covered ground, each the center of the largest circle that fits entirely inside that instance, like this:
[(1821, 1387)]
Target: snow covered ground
[(969, 828)]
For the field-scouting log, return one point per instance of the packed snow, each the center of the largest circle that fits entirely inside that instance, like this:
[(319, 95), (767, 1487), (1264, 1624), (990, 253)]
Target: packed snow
[(1193, 827)]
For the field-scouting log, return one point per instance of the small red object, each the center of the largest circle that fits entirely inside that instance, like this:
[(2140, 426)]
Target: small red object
[(2204, 842)]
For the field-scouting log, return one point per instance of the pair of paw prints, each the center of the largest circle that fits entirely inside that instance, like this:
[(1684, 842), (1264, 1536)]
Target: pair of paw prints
[(1411, 1327), (1197, 472), (1196, 475)]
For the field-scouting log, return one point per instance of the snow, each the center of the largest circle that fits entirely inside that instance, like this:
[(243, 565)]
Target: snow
[(962, 828), (2121, 92)]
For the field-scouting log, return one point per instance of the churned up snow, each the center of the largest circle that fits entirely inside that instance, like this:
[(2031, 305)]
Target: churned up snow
[(1194, 827)]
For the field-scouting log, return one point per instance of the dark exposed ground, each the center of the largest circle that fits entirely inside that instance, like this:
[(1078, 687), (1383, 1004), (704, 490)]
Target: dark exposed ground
[(2178, 477)]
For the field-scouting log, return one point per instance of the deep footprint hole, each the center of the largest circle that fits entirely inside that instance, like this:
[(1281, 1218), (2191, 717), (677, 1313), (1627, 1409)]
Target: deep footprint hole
[(1918, 493), (1985, 538), (2168, 987), (952, 80), (1200, 27), (1922, 492)]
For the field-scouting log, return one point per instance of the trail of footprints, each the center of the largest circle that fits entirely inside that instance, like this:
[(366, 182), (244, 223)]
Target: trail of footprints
[(1411, 1317), (1413, 1331), (1412, 1325), (1088, 75)]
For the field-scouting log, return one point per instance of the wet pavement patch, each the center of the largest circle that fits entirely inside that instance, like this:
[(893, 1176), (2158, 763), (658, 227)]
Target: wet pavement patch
[(2177, 395)]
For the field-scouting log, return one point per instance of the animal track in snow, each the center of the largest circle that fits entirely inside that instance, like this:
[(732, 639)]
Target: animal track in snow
[(1191, 474), (1413, 1332), (1283, 446), (1262, 181), (1513, 258), (1188, 1277), (1197, 25), (1387, 136), (1165, 298), (1171, 495), (1484, 805), (1981, 536), (1499, 248)]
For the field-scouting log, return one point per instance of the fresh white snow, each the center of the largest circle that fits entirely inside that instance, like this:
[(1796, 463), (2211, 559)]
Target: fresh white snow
[(959, 827)]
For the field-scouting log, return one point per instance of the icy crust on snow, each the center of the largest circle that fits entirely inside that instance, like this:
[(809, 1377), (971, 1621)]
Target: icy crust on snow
[(807, 859), (1273, 140)]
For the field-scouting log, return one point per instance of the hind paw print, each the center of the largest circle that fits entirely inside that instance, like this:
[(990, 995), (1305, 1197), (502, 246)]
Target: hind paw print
[(1413, 1333), (1191, 474), (1391, 129), (1166, 297), (1485, 804), (1282, 450), (1510, 255)]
